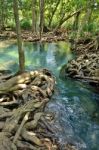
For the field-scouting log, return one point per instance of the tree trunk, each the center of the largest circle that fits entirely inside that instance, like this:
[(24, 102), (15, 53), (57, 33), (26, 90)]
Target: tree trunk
[(97, 42), (41, 17), (53, 13), (64, 19), (19, 39), (76, 21), (87, 17), (33, 16), (2, 15)]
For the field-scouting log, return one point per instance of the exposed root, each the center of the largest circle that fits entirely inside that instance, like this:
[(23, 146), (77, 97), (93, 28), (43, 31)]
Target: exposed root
[(22, 101), (86, 45), (85, 67), (29, 36)]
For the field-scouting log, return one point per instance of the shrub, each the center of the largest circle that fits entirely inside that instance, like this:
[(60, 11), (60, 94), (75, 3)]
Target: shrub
[(88, 27), (25, 24)]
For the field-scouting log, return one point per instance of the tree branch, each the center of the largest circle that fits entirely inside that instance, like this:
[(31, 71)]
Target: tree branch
[(68, 17)]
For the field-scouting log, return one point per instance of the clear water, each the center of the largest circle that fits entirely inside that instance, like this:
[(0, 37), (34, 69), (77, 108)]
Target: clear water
[(75, 104)]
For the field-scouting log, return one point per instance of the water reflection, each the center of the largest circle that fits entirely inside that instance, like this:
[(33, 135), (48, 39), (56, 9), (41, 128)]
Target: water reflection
[(47, 55)]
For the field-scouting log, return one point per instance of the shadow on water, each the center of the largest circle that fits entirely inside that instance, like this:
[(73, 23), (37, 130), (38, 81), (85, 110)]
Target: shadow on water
[(75, 104)]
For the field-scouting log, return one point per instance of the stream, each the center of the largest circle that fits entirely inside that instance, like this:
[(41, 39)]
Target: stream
[(74, 103)]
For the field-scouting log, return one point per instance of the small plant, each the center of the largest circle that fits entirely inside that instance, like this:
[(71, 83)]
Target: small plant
[(88, 27), (25, 24)]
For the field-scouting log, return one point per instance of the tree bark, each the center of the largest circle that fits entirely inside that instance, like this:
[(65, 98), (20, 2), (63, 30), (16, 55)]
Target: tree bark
[(76, 21), (33, 16), (97, 42), (19, 39), (41, 17)]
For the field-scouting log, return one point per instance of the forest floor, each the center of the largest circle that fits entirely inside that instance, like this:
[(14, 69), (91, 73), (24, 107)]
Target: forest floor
[(30, 37)]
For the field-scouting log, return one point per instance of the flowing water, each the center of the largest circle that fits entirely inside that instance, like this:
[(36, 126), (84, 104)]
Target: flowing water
[(75, 104)]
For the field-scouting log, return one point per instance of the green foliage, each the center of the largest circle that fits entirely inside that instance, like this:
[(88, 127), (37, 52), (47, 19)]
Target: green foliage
[(11, 24), (68, 26), (55, 12), (88, 27), (25, 24)]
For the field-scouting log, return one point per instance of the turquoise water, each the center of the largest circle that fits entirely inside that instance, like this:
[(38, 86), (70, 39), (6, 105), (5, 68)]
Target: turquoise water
[(75, 104)]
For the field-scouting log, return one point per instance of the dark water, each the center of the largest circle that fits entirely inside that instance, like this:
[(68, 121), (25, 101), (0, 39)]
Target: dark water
[(75, 104)]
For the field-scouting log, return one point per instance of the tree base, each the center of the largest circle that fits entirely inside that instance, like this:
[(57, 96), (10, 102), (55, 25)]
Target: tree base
[(22, 101)]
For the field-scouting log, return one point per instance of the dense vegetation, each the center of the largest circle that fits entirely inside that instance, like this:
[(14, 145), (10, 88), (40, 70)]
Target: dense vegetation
[(76, 15)]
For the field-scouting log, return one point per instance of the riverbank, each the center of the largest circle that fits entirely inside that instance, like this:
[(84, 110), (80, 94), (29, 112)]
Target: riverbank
[(22, 101), (85, 66), (23, 121), (30, 37), (85, 45)]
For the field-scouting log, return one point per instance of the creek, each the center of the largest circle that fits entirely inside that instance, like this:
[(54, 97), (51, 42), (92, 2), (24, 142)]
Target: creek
[(74, 103)]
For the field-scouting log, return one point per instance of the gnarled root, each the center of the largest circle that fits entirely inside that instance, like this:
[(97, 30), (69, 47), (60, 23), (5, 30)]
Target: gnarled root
[(22, 101)]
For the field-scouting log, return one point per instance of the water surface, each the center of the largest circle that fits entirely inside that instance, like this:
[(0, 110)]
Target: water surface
[(75, 104)]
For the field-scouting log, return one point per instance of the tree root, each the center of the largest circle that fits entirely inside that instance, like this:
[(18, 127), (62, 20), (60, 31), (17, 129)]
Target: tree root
[(22, 101), (85, 67), (86, 45)]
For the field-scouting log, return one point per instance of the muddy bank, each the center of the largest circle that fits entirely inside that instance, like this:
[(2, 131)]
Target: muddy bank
[(22, 101)]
